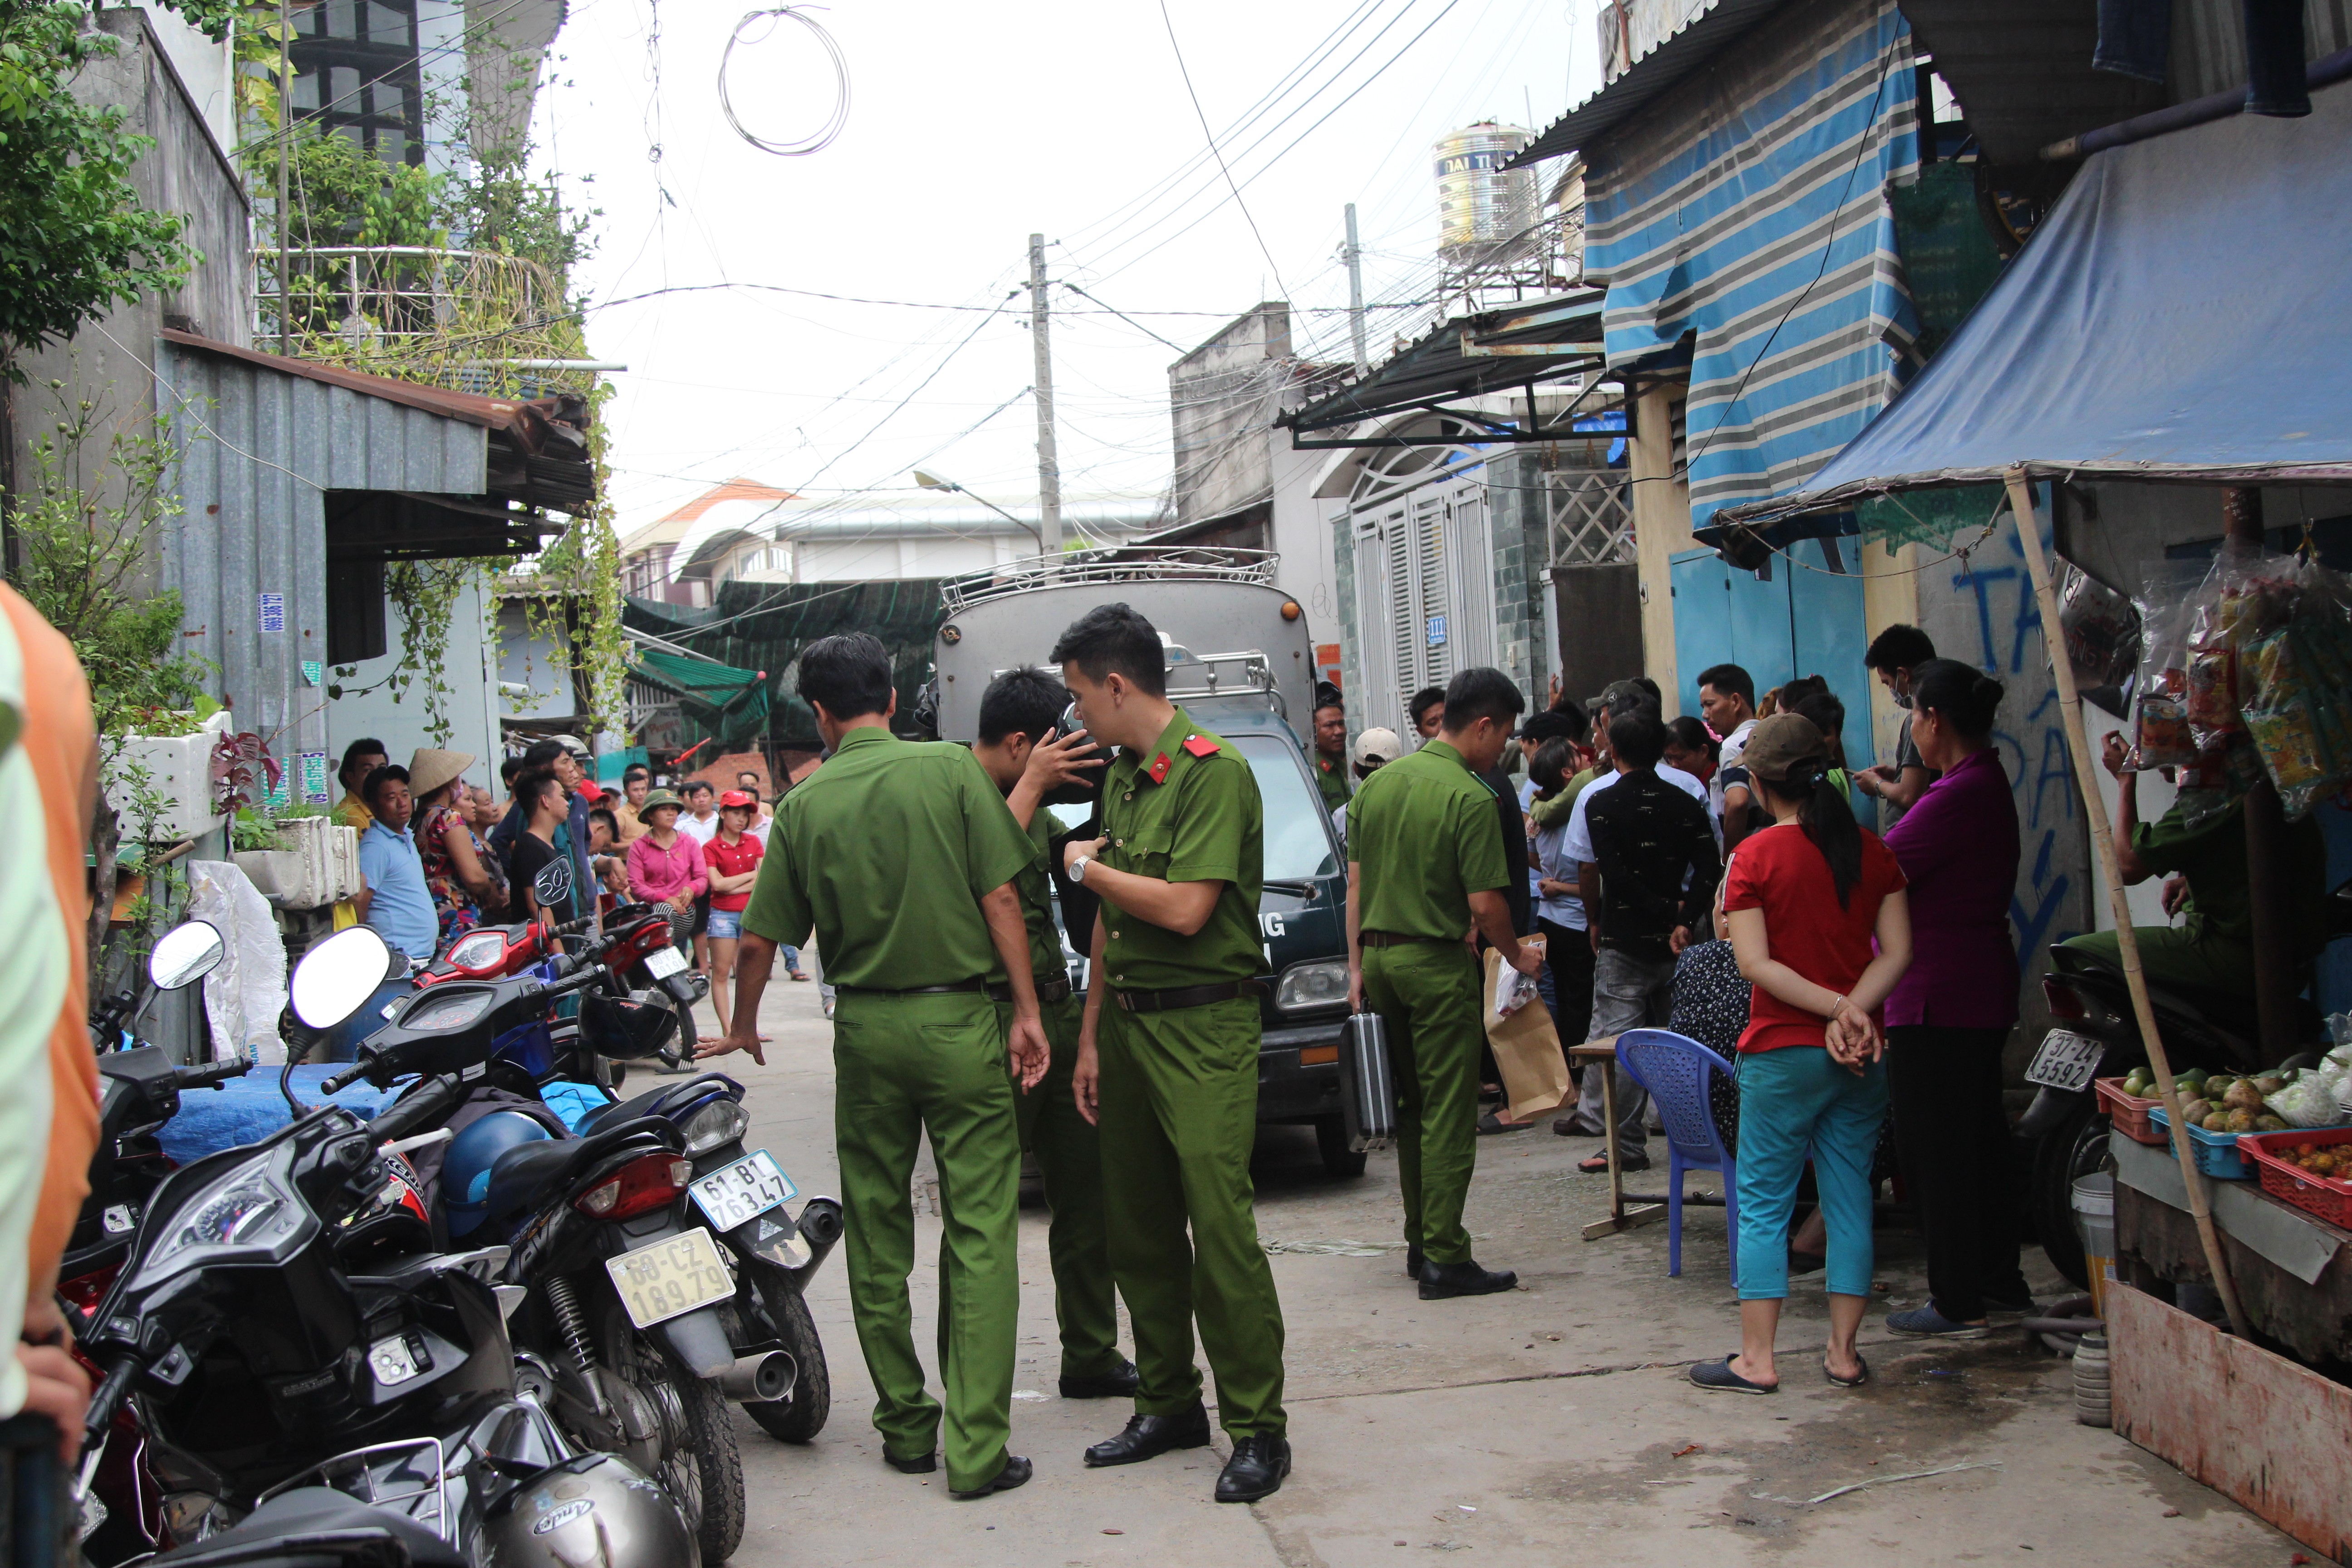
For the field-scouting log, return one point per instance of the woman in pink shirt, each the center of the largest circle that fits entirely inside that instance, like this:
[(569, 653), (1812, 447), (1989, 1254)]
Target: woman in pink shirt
[(665, 866)]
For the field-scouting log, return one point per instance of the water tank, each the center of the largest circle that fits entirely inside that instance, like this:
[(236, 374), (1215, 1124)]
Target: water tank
[(1481, 209)]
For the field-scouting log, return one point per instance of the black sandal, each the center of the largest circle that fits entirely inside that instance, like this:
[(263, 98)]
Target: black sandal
[(1857, 1381)]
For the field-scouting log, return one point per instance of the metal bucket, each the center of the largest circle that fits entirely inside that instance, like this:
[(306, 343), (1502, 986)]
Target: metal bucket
[(2094, 1219)]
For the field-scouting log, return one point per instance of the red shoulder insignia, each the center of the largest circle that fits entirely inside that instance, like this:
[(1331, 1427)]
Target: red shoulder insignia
[(1201, 746), (1160, 768)]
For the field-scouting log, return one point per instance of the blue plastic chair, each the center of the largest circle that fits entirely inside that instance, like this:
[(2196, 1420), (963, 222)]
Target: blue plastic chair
[(1676, 1070)]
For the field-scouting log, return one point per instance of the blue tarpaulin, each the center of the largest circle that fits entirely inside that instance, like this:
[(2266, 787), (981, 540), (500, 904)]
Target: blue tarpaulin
[(2180, 315)]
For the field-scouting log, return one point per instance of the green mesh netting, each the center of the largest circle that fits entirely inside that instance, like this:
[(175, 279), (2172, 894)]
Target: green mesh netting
[(719, 701), (758, 626), (1938, 519)]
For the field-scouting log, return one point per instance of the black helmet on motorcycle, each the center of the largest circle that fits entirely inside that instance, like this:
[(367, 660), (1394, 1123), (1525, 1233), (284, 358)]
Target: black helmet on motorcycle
[(595, 1512), (627, 1027)]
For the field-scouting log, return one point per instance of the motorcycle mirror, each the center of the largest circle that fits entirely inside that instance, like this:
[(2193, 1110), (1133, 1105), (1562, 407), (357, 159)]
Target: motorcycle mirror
[(339, 974), (553, 886), (185, 954)]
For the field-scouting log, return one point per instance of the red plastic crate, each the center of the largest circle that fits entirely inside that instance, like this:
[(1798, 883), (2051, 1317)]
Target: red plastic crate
[(2129, 1113), (2326, 1197)]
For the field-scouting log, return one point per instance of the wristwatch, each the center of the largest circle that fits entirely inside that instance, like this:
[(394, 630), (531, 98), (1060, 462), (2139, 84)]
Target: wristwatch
[(1078, 868)]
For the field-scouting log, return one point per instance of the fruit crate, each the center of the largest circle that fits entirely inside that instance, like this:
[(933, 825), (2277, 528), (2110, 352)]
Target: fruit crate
[(2129, 1113), (2329, 1199), (2217, 1153)]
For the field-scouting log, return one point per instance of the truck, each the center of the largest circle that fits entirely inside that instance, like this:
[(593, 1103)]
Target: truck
[(1238, 660)]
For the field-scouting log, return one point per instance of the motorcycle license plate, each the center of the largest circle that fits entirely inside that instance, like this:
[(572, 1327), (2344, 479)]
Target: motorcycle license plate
[(663, 962), (750, 1186), (671, 1278), (2065, 1060)]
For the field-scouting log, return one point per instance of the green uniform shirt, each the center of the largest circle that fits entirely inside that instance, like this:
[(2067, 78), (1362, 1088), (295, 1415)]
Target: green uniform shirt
[(1184, 815), (2212, 855), (1425, 831), (1331, 778), (887, 850), (1036, 891)]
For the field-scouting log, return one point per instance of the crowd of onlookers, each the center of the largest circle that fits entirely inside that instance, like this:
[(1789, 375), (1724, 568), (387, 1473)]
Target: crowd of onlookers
[(440, 856), (1712, 875)]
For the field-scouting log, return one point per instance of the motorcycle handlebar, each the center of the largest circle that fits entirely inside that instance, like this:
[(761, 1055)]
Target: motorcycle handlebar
[(211, 1075), (109, 1398), (343, 1081)]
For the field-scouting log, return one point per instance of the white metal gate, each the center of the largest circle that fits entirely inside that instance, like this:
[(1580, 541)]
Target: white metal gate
[(1425, 594)]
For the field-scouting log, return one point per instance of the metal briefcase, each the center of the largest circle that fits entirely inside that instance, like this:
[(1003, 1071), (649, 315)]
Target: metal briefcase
[(1368, 1098)]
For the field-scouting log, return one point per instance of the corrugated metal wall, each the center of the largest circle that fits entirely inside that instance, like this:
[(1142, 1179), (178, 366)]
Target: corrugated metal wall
[(258, 450), (2209, 41)]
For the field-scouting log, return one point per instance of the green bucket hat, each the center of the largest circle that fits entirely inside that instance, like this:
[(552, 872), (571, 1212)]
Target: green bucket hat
[(659, 797)]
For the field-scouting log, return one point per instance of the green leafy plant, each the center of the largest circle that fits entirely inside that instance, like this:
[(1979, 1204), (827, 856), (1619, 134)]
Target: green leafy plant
[(74, 241)]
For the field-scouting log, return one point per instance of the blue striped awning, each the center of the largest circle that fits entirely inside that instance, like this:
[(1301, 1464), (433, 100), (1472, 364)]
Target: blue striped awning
[(1747, 209)]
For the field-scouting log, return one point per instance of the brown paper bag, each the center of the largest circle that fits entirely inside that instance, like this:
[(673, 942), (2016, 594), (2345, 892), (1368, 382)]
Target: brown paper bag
[(1527, 1048)]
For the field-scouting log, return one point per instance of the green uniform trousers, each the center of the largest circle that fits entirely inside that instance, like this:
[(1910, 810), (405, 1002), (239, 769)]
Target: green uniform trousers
[(1430, 993), (1069, 1156), (905, 1065), (2182, 956), (1178, 1104)]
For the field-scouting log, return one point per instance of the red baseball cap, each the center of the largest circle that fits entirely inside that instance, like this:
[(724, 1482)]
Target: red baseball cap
[(737, 797)]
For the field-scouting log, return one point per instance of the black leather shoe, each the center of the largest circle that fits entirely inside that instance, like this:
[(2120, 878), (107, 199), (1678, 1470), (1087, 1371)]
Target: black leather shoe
[(1148, 1437), (1260, 1461), (1119, 1384), (1440, 1280), (922, 1465), (1412, 1263), (1016, 1472)]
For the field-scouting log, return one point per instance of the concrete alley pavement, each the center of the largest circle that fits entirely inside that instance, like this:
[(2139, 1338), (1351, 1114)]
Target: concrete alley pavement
[(1551, 1419)]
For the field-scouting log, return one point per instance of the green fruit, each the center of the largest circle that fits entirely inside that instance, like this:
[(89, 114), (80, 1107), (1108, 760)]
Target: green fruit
[(2135, 1085), (2217, 1122), (2195, 1111), (2269, 1084), (2270, 1123), (2239, 1119)]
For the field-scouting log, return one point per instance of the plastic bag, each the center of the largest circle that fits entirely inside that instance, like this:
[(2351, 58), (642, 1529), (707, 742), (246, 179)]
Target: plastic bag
[(2102, 628), (1514, 991), (2295, 662), (245, 994), (2166, 602)]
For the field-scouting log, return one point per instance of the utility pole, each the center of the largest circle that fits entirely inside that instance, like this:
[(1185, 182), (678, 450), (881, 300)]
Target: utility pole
[(1049, 470), (285, 145), (1353, 255)]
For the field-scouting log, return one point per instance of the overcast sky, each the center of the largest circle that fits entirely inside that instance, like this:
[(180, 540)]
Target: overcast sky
[(970, 126)]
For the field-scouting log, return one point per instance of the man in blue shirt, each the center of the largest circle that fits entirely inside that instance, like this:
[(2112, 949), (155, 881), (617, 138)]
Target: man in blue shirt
[(396, 901)]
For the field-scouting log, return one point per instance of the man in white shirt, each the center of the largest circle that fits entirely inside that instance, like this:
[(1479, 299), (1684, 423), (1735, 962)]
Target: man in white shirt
[(1727, 699)]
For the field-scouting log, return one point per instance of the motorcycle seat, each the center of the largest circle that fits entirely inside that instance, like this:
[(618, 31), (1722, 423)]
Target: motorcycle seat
[(654, 1102), (319, 1524), (519, 1174)]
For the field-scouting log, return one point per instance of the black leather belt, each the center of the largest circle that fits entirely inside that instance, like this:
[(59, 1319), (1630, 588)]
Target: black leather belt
[(1187, 995), (1398, 939), (1050, 988), (968, 985)]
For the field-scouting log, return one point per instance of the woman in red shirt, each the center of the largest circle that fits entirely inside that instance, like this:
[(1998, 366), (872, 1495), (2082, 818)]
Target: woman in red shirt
[(732, 856), (1806, 900)]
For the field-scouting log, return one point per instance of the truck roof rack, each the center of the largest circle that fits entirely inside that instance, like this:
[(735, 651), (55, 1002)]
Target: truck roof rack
[(1119, 563)]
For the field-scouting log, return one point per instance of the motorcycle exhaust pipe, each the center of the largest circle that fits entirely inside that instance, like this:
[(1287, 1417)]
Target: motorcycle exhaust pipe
[(820, 1227), (760, 1379)]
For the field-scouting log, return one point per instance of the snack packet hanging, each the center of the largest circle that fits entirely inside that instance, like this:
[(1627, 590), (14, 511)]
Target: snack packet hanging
[(2167, 602)]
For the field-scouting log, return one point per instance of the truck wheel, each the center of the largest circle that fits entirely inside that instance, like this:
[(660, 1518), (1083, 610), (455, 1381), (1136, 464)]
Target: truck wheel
[(2075, 1147), (1331, 1141)]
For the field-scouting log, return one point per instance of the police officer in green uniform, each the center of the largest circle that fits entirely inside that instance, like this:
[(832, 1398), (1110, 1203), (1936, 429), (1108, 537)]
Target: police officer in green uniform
[(1168, 1055), (1426, 863), (1018, 748), (903, 857), (1331, 748)]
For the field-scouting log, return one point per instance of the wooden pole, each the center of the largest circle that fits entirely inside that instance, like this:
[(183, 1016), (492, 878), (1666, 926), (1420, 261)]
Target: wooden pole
[(2070, 703)]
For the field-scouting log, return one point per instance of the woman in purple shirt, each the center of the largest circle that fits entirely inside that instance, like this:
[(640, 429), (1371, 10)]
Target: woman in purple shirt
[(1950, 1015)]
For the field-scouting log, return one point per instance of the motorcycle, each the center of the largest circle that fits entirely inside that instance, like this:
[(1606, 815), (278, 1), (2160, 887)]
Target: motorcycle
[(623, 1289), (281, 1300)]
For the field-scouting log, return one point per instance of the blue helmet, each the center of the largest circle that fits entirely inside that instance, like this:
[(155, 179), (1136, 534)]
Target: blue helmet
[(465, 1168)]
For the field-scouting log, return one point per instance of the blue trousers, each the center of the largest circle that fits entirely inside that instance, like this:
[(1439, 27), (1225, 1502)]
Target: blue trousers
[(1794, 1102)]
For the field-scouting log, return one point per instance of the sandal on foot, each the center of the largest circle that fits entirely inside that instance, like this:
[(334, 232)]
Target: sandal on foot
[(1860, 1377), (1717, 1377), (1489, 1125), (800, 974)]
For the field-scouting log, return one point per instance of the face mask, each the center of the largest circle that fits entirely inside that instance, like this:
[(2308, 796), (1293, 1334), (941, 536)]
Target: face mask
[(1903, 701)]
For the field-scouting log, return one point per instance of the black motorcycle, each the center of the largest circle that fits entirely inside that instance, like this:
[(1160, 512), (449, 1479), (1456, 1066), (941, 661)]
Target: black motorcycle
[(626, 1289), (282, 1301)]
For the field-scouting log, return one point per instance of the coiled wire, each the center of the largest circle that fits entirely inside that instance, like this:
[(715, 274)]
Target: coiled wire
[(824, 135)]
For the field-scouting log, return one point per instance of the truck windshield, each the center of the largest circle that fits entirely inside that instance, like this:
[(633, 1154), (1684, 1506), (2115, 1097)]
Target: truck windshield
[(1297, 828), (1297, 837)]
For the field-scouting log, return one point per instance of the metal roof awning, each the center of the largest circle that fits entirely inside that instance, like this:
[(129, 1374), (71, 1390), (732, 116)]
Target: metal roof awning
[(1700, 40), (2179, 316), (1504, 350), (537, 449)]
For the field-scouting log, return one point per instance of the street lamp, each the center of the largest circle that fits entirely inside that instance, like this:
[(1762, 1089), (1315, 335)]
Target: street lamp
[(933, 482)]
